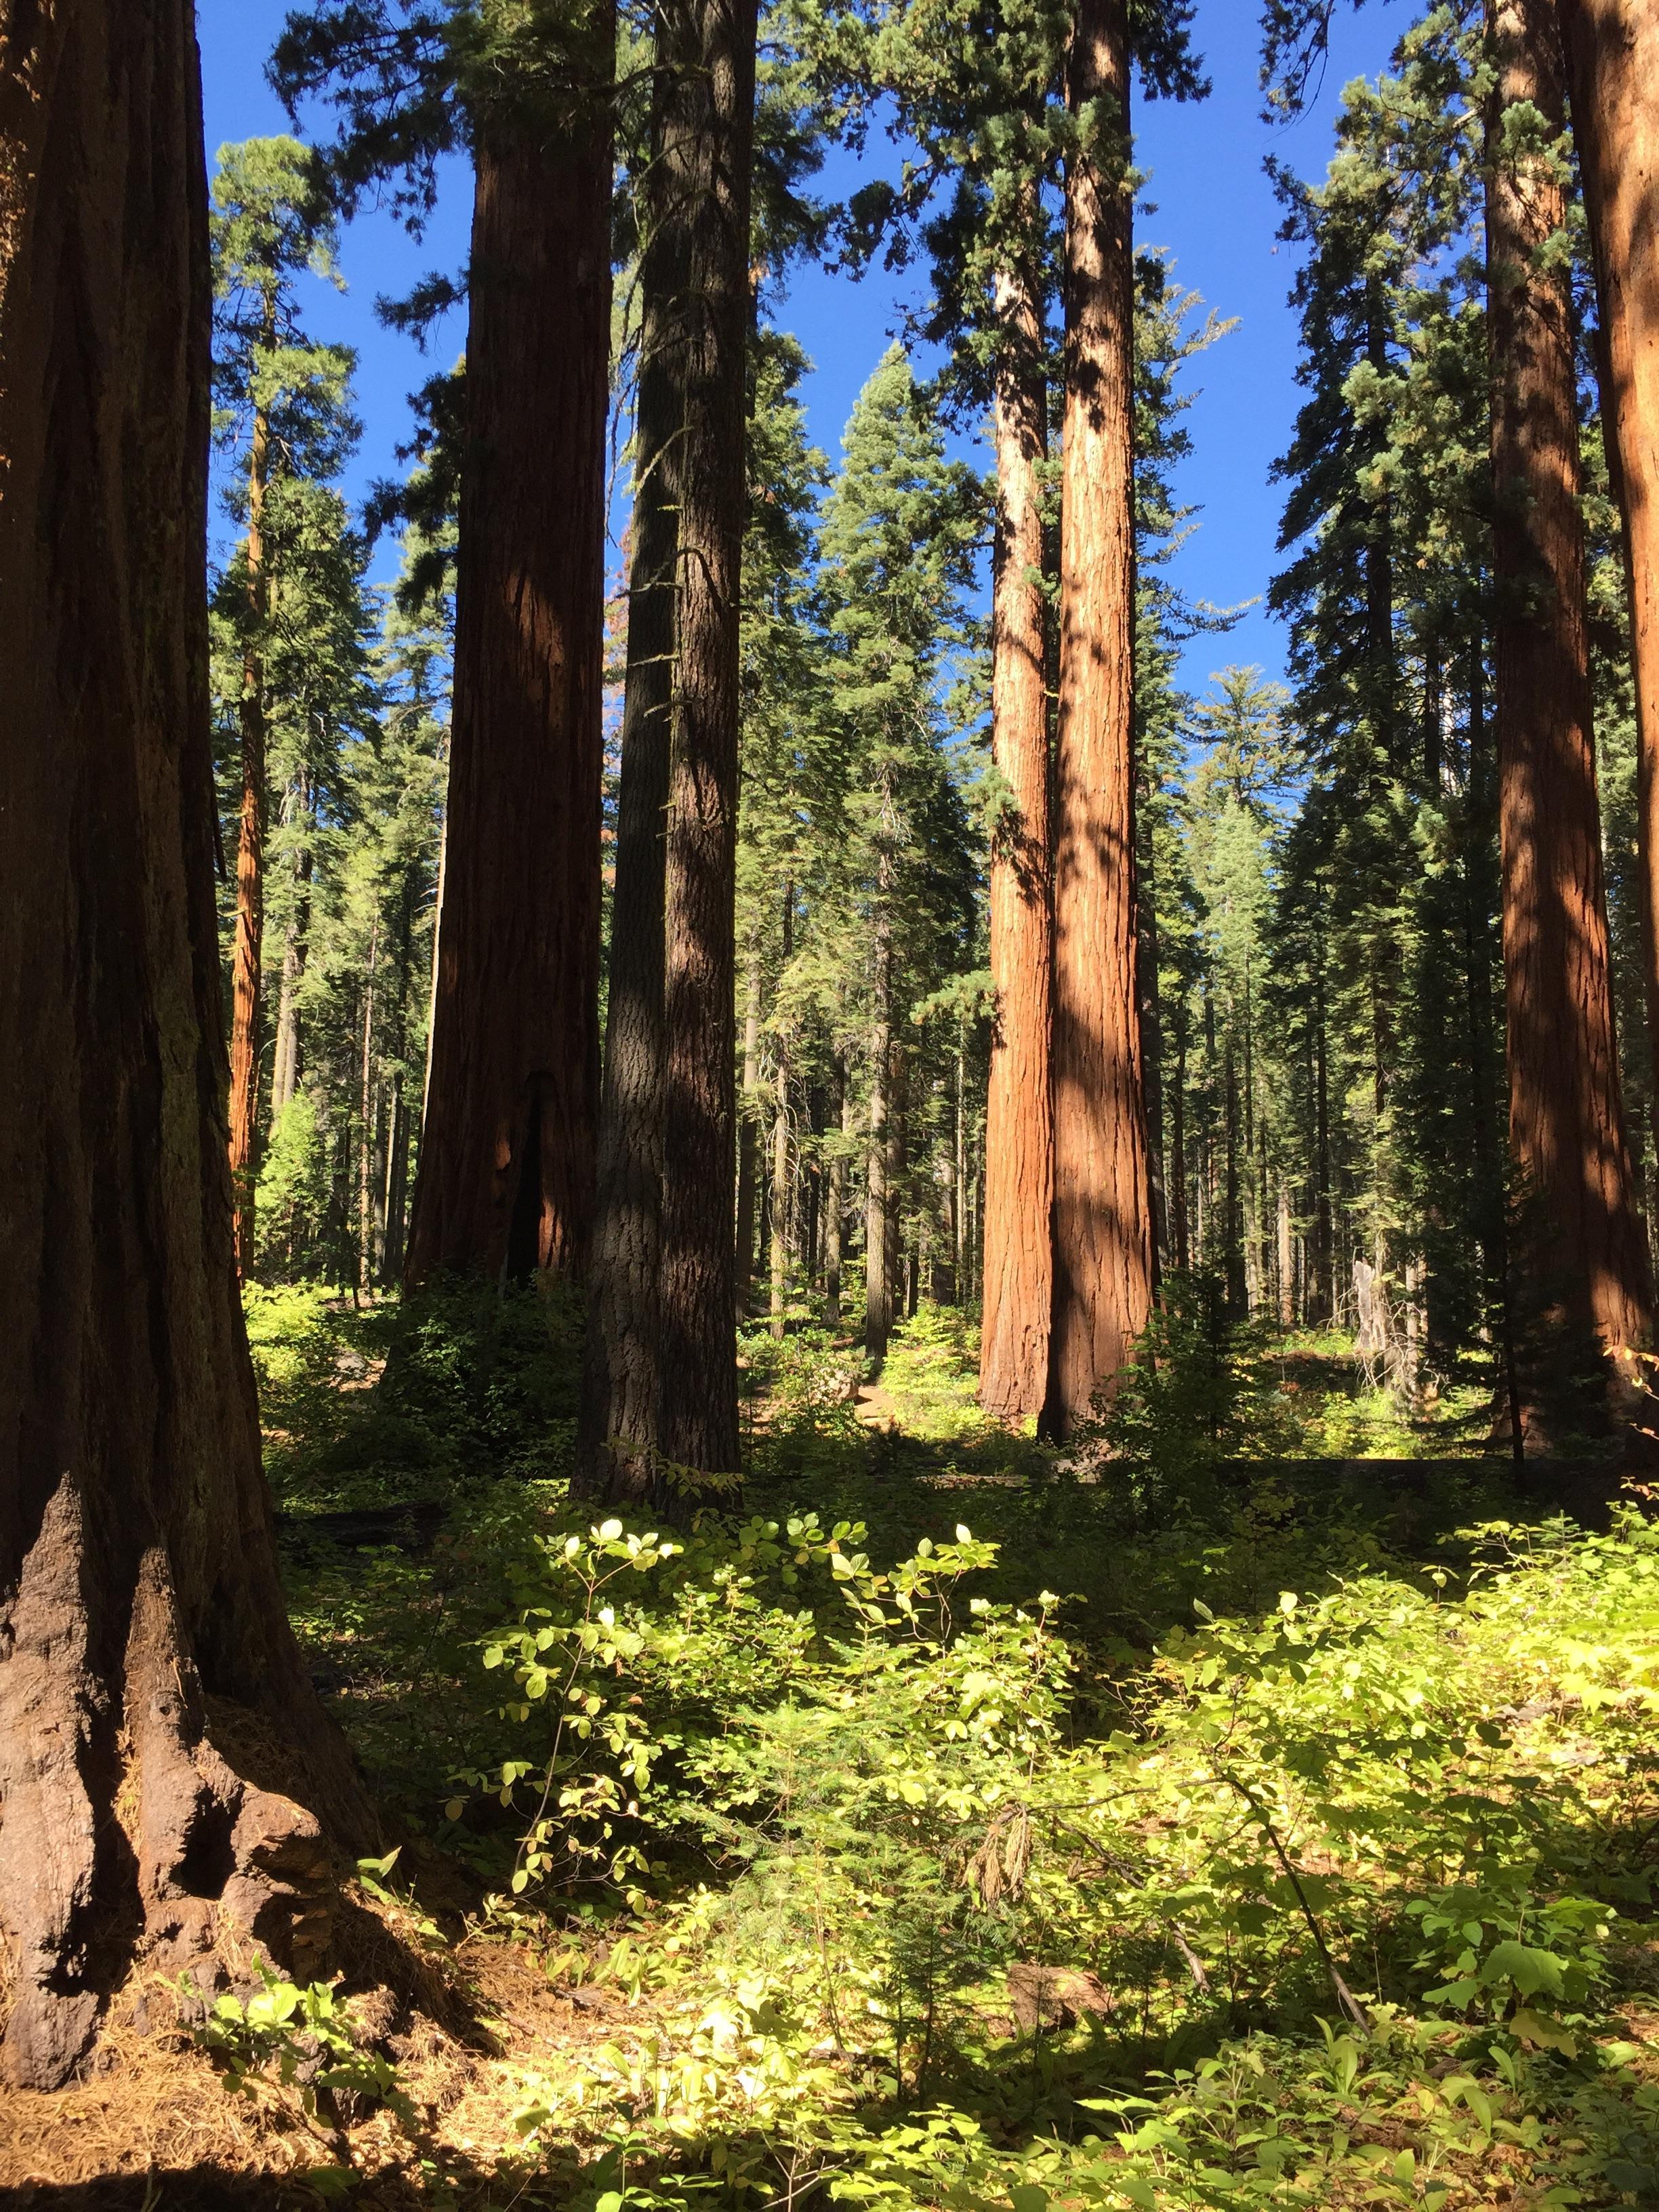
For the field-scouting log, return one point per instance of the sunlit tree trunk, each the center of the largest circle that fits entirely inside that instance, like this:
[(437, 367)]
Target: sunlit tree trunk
[(1566, 1119), (507, 1157), (1103, 1256), (285, 1063), (140, 1602), (1019, 1147), (699, 1416), (1613, 56)]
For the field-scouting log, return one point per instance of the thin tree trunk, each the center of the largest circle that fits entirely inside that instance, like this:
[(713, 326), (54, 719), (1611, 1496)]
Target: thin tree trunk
[(1014, 1359), (835, 1201), (1286, 1259), (366, 1150), (251, 848), (616, 1457), (1566, 1117), (1612, 55), (1151, 1047), (286, 1062), (396, 1181), (780, 1297), (507, 1156), (699, 1417), (140, 1601), (748, 1128), (1183, 1257), (1102, 1258), (877, 1284), (897, 1301), (1324, 1301)]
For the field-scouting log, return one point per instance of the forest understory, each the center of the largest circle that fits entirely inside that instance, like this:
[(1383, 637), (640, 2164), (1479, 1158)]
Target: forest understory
[(1150, 1826)]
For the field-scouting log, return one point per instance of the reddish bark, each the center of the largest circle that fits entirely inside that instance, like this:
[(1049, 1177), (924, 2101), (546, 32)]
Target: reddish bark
[(250, 860), (1613, 57), (713, 43), (508, 1155), (1566, 1118), (140, 1604), (1103, 1256), (1013, 1359)]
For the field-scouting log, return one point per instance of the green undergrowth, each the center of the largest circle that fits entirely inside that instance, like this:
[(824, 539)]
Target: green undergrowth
[(1328, 1811)]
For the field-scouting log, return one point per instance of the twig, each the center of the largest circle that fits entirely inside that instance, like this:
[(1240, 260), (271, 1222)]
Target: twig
[(1344, 1996), (1194, 1964)]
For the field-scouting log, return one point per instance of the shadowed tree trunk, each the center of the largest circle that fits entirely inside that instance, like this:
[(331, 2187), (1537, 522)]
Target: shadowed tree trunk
[(1013, 1356), (140, 1607), (716, 86), (1612, 57), (1102, 1258), (285, 1064), (617, 1457), (1566, 1120), (834, 1203), (877, 1198), (507, 1156), (748, 1128), (249, 954)]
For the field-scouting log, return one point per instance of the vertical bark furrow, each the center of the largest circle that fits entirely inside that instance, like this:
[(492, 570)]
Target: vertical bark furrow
[(1102, 1261), (1019, 1134)]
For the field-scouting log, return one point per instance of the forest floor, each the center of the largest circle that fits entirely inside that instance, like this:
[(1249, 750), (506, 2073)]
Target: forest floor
[(1175, 1837)]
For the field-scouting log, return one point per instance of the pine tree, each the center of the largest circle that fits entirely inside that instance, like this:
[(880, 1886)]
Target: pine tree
[(900, 529), (284, 416)]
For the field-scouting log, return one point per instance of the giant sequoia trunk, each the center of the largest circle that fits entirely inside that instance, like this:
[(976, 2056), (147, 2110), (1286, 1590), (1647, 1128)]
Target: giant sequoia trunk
[(1013, 1358), (1612, 55), (716, 91), (1566, 1120), (139, 1600), (616, 1457), (508, 1154), (1103, 1256)]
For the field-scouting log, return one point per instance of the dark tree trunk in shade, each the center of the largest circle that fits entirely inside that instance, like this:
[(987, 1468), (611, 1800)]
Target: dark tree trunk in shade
[(877, 1198), (1014, 1359), (508, 1156), (617, 1457), (1566, 1117), (748, 1128), (835, 1204), (286, 1063), (140, 1606), (1102, 1255), (716, 90)]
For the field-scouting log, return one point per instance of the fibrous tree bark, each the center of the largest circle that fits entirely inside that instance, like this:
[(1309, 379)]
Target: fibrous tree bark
[(508, 1154), (249, 953), (140, 1606), (616, 1455), (715, 90), (1566, 1118), (1102, 1258), (1613, 56), (1013, 1359)]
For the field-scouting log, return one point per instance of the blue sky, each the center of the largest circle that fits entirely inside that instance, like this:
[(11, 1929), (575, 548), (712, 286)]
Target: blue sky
[(1211, 205)]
